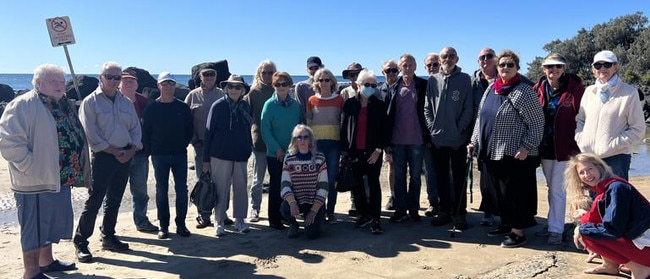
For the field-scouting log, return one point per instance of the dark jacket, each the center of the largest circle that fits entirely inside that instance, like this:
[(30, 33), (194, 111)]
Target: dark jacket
[(377, 133), (228, 131), (421, 90), (167, 128), (564, 122), (625, 212)]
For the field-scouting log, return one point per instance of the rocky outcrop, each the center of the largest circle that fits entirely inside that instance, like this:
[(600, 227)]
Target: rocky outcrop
[(87, 85), (6, 93), (220, 66), (145, 79)]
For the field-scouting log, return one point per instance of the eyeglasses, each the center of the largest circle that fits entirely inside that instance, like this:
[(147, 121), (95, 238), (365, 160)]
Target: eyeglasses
[(267, 73), (434, 65), (234, 86), (301, 137), (600, 65), (391, 71), (168, 82), (486, 57), (324, 80), (367, 84), (448, 56), (281, 84), (117, 77), (209, 74), (559, 66), (507, 65)]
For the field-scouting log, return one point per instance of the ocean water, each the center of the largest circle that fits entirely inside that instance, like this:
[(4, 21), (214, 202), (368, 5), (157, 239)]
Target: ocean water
[(24, 81)]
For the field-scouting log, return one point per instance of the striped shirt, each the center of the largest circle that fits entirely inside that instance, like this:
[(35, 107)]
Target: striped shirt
[(305, 176), (324, 116)]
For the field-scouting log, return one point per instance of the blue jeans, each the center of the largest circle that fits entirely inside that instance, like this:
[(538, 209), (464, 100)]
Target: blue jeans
[(331, 150), (407, 156), (430, 176), (138, 173), (620, 164), (259, 170), (198, 162), (162, 164)]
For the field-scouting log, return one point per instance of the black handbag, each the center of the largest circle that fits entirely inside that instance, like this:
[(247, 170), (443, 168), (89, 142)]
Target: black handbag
[(345, 181), (204, 194)]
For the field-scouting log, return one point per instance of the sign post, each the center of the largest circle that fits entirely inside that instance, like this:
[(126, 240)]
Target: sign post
[(61, 34)]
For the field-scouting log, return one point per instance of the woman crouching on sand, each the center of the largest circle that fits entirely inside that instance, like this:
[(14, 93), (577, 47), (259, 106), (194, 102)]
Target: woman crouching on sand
[(617, 226)]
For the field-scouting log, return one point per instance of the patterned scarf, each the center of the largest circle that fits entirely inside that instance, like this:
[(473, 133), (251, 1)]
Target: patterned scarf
[(504, 87), (237, 111)]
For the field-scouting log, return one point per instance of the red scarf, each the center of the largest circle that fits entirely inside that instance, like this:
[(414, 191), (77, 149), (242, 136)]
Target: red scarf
[(502, 87)]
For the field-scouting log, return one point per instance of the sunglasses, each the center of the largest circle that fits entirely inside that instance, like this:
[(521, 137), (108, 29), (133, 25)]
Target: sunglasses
[(507, 65), (281, 84), (324, 80), (600, 65), (117, 77), (486, 56), (367, 84), (209, 74), (234, 86), (267, 73), (353, 75), (168, 82), (434, 65), (448, 56), (301, 137), (313, 68), (553, 66), (391, 71)]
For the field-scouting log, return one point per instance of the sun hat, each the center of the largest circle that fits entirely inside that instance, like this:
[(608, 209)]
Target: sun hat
[(355, 67), (234, 78), (314, 61), (554, 59), (606, 56), (164, 76)]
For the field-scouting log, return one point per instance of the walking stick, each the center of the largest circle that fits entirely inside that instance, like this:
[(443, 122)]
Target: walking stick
[(470, 181)]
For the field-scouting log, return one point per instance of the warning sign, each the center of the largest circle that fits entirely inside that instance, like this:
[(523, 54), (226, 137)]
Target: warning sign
[(60, 31)]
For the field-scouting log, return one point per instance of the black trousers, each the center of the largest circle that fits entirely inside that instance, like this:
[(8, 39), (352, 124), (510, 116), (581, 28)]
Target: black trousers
[(451, 171), (367, 200)]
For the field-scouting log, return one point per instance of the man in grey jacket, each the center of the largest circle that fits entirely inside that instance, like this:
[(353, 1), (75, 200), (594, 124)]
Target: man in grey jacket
[(449, 111)]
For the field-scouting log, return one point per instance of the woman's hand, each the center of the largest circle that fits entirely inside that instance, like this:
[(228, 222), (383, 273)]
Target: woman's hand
[(279, 154), (374, 156), (295, 210), (577, 239), (522, 153), (309, 219)]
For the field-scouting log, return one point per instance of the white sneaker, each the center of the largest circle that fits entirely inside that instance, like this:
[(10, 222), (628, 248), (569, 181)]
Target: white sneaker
[(220, 230), (255, 216), (241, 226)]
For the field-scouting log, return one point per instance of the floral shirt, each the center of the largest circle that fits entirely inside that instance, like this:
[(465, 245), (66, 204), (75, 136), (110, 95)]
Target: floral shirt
[(71, 139)]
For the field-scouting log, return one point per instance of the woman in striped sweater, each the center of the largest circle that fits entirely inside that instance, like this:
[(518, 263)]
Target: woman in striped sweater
[(304, 183)]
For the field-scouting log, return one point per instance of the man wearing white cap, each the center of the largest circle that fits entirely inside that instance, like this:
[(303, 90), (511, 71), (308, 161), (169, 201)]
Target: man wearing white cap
[(610, 121), (166, 132)]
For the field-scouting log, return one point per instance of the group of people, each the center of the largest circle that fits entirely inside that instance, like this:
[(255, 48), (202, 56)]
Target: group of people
[(300, 133)]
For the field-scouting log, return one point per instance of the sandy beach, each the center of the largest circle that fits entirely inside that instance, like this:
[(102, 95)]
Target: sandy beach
[(405, 250)]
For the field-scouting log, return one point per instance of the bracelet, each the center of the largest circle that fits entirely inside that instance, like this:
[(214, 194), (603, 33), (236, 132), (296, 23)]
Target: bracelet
[(293, 201)]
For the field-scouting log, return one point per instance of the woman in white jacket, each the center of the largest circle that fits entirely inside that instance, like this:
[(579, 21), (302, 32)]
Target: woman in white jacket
[(610, 120)]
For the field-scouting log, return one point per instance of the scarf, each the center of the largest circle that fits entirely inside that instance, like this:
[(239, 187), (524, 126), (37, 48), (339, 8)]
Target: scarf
[(237, 112), (504, 87), (286, 103), (603, 88)]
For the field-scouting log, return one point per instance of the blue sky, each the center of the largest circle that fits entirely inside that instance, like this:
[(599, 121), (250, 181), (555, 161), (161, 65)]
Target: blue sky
[(174, 35)]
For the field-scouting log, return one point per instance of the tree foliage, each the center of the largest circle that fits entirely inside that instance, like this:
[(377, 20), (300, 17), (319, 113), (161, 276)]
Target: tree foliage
[(628, 36)]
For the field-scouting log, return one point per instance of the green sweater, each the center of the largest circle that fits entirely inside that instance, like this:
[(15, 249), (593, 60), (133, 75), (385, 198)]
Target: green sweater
[(278, 120), (256, 99)]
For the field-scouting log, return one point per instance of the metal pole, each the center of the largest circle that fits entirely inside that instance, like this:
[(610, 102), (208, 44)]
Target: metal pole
[(74, 80)]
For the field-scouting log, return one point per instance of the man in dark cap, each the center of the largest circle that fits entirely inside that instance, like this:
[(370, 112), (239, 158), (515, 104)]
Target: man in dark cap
[(351, 74), (304, 89)]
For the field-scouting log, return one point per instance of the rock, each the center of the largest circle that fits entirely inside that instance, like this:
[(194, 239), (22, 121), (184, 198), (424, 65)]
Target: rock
[(153, 93), (220, 66), (145, 79), (87, 85), (6, 93)]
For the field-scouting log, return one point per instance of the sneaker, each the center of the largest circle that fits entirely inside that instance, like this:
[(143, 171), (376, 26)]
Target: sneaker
[(228, 222), (255, 216), (220, 231), (277, 226), (57, 265), (460, 223), (432, 211), (375, 227), (163, 234), (331, 218), (543, 232), (203, 223), (82, 253), (183, 231), (499, 231), (389, 204), (353, 211), (415, 216), (147, 228), (513, 241), (398, 216), (441, 219), (362, 222), (487, 221), (241, 226), (555, 238), (293, 231), (111, 243)]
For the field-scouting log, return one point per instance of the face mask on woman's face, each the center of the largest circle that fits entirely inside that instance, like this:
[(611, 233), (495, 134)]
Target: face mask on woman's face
[(367, 91)]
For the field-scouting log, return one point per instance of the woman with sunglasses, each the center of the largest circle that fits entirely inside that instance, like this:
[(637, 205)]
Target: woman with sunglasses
[(364, 135), (280, 115), (304, 183), (507, 132), (324, 117), (610, 120), (559, 93), (228, 144)]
